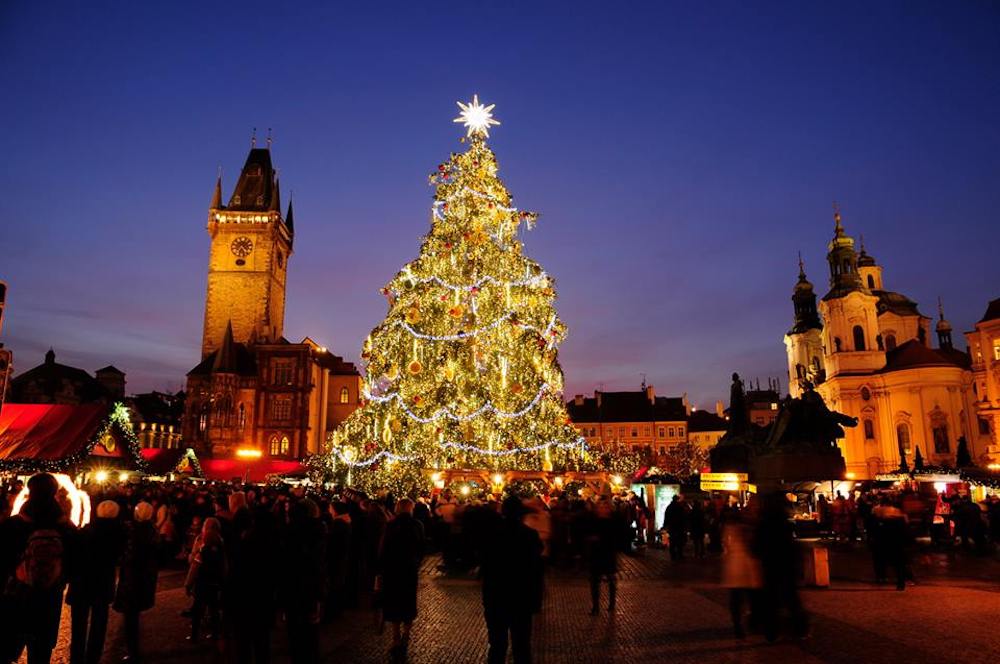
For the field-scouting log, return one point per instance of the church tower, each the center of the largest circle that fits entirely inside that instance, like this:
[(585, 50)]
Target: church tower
[(248, 259), (804, 342), (851, 334)]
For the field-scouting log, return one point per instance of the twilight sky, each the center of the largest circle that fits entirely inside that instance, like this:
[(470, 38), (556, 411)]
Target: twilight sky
[(680, 155)]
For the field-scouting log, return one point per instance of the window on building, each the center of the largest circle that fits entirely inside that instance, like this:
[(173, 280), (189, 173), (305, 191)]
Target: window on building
[(866, 394), (984, 426), (281, 407), (645, 432), (670, 432), (903, 437), (879, 342), (680, 432), (345, 395), (871, 281), (859, 337), (922, 335), (662, 432), (890, 341), (282, 372), (996, 350), (837, 344), (621, 432), (242, 421), (869, 430), (940, 433), (635, 432), (279, 445), (663, 450)]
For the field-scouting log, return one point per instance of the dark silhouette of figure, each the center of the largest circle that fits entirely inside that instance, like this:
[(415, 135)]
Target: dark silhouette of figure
[(254, 578), (603, 539), (92, 582), (402, 551), (512, 576), (35, 556), (675, 520), (774, 545), (305, 580), (137, 579)]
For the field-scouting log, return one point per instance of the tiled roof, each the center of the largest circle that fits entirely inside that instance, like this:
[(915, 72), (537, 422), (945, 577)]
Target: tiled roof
[(628, 407), (914, 354), (897, 303), (992, 311), (703, 420)]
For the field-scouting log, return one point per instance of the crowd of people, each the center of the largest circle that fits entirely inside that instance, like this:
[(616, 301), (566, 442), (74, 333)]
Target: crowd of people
[(256, 557)]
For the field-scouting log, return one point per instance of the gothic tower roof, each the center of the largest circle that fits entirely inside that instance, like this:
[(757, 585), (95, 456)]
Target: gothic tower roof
[(217, 194), (804, 301), (225, 358), (288, 217), (256, 185), (864, 258)]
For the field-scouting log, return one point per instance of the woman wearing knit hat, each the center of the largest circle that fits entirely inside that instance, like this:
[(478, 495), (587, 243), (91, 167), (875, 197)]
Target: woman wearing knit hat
[(92, 582), (137, 581)]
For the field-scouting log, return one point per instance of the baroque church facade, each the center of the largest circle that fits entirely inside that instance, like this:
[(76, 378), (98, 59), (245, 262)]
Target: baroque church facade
[(253, 389), (868, 352)]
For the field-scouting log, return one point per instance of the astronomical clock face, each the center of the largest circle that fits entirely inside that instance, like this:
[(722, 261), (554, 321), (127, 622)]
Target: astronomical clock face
[(241, 246)]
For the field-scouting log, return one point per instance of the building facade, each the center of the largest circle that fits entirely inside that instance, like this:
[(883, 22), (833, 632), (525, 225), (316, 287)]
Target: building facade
[(55, 383), (984, 349), (254, 389), (639, 420), (868, 352)]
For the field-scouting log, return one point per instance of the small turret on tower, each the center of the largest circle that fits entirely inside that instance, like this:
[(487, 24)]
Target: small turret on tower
[(843, 260), (943, 328)]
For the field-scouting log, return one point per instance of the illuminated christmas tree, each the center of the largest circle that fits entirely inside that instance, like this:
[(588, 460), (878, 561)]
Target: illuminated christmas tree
[(463, 372)]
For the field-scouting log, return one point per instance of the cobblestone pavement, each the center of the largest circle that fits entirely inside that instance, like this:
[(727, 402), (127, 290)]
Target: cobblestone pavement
[(666, 612)]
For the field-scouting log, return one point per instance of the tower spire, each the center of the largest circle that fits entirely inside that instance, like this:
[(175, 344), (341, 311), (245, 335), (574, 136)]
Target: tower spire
[(276, 196), (217, 194), (838, 229), (253, 139), (802, 268), (289, 220), (268, 138)]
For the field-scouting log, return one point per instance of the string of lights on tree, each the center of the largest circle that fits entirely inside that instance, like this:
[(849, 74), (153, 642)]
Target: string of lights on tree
[(463, 372)]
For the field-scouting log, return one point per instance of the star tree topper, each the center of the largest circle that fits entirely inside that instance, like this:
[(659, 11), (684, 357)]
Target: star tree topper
[(476, 117)]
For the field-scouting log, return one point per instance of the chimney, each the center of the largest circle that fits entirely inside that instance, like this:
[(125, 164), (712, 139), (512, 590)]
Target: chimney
[(578, 400), (597, 396), (687, 404), (720, 410), (651, 394)]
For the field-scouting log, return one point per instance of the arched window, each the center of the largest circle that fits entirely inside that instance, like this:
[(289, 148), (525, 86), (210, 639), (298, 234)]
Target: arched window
[(903, 437), (869, 430), (890, 341), (279, 445), (871, 281), (837, 344), (345, 395), (879, 342), (922, 335), (242, 421), (800, 371), (859, 338)]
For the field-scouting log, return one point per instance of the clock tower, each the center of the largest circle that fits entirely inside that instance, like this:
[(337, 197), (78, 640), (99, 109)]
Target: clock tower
[(251, 243)]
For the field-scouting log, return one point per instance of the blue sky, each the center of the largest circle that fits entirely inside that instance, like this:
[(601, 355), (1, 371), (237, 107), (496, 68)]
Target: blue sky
[(680, 154)]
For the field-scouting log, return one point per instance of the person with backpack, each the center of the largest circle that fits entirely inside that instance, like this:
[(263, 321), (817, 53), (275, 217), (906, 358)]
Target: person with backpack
[(92, 582), (137, 579), (35, 547)]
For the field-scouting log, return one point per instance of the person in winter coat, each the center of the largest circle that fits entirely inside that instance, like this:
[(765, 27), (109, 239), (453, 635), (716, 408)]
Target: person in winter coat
[(36, 552), (675, 520), (206, 574), (137, 579), (774, 544), (512, 574), (402, 551), (603, 540), (338, 557), (698, 526), (92, 582), (741, 571), (255, 579), (305, 580)]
